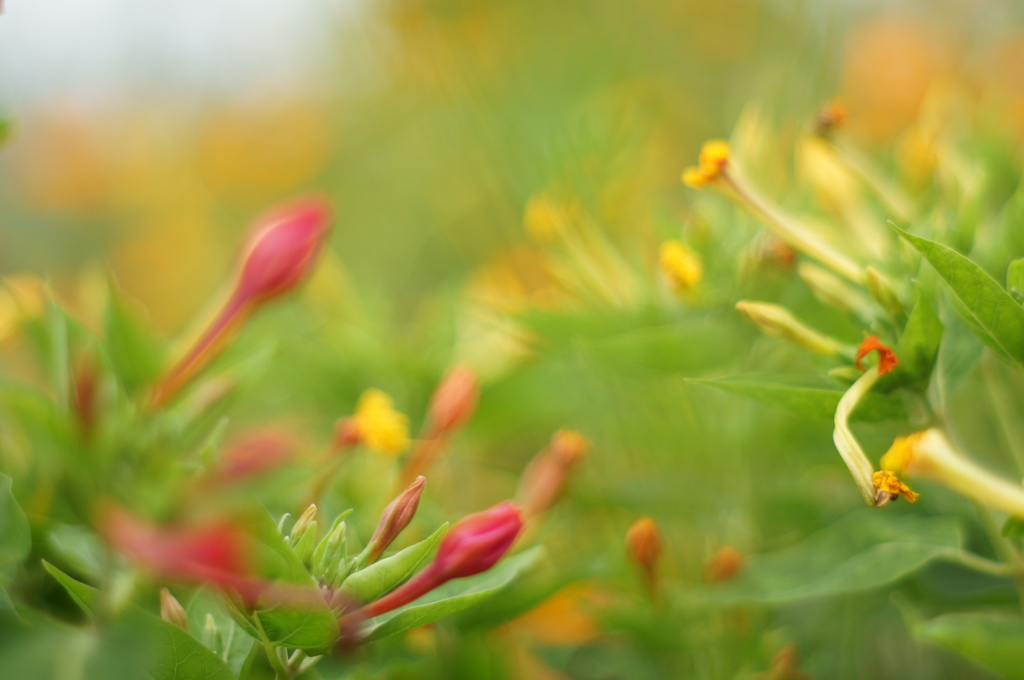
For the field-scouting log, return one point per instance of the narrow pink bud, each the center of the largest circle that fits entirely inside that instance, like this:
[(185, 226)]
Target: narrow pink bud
[(454, 401), (474, 545), (278, 257), (395, 518), (545, 478), (256, 453)]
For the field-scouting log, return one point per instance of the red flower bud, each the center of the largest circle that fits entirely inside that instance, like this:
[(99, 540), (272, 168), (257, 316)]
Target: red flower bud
[(278, 257), (475, 544), (213, 553), (395, 518)]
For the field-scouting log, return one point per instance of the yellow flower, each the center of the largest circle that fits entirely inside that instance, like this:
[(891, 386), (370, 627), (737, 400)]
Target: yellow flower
[(680, 265), (930, 454), (714, 156), (545, 219), (380, 426)]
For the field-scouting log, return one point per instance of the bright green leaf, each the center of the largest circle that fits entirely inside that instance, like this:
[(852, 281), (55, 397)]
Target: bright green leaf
[(918, 347), (85, 596), (805, 400), (988, 309), (1015, 279), (15, 534), (990, 640), (866, 549), (369, 584), (455, 596)]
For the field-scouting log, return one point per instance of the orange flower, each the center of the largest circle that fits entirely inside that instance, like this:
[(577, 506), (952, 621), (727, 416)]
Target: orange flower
[(887, 360)]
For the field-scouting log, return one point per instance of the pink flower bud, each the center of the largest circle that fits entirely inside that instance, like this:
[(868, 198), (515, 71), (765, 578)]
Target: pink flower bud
[(256, 453), (453, 401), (474, 545), (283, 249), (395, 518), (278, 257)]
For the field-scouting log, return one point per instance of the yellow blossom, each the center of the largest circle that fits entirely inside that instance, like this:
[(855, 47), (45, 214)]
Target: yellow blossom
[(680, 265), (380, 426), (545, 219), (714, 156)]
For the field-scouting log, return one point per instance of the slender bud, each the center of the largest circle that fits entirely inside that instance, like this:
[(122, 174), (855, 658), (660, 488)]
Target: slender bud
[(780, 322), (302, 525), (473, 545), (644, 548), (212, 637), (172, 611), (831, 290), (395, 518), (278, 257), (330, 555), (454, 400), (545, 478)]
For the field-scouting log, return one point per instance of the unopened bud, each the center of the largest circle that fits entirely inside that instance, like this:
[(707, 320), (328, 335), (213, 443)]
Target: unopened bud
[(212, 636), (780, 322), (723, 565), (545, 478), (331, 554), (473, 545), (643, 543), (453, 401), (303, 524), (831, 290), (884, 292), (171, 610), (395, 518), (278, 257)]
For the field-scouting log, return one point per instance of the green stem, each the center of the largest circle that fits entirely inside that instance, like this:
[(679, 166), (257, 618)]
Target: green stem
[(1007, 553), (280, 670)]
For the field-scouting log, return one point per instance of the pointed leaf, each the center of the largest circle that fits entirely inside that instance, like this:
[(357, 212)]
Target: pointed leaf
[(806, 400), (918, 347), (866, 549), (85, 596), (455, 596), (990, 640), (990, 311), (377, 579), (15, 534)]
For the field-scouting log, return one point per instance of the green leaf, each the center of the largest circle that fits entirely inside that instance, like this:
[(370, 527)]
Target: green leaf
[(174, 654), (866, 549), (455, 596), (990, 640), (918, 347), (15, 534), (1013, 528), (370, 583), (989, 310), (85, 596), (133, 344), (1015, 279), (806, 400), (311, 626)]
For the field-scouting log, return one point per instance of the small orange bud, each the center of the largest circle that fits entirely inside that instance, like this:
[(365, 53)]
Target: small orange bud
[(454, 400), (643, 545), (544, 479), (723, 565), (887, 360), (830, 117)]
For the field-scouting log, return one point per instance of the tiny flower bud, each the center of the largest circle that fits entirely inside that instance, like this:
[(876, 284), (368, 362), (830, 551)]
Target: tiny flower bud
[(330, 555), (172, 611), (303, 524), (544, 479), (679, 265), (278, 257), (473, 545), (778, 321), (395, 518), (453, 401), (831, 290), (212, 636), (884, 292), (723, 565), (830, 117), (643, 547)]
